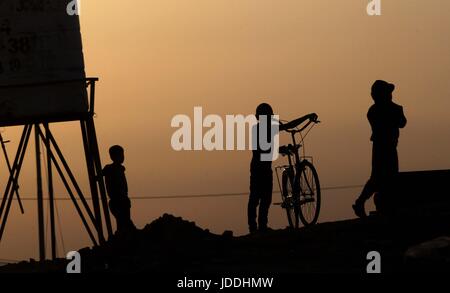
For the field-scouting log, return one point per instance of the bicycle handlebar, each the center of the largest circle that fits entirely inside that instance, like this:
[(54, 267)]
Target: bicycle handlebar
[(295, 130)]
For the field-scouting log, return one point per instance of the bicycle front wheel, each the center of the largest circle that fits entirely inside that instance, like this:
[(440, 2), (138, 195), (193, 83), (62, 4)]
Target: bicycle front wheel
[(310, 196), (289, 199)]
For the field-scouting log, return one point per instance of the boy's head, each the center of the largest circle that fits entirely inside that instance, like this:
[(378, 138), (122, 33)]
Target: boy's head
[(382, 91), (116, 153), (263, 109)]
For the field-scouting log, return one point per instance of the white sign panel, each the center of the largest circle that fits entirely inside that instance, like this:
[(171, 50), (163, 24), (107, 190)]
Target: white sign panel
[(40, 47)]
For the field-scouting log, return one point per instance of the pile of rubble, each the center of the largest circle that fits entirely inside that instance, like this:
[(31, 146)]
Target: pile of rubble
[(171, 244)]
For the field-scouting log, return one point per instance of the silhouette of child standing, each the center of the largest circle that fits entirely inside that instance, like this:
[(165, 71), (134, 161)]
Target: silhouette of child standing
[(116, 185), (261, 181), (385, 118)]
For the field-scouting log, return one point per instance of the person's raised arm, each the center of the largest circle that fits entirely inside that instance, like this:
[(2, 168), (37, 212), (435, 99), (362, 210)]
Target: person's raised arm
[(298, 121)]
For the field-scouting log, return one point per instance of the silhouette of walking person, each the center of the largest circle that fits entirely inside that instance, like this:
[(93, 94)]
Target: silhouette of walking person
[(261, 177), (116, 185), (385, 118)]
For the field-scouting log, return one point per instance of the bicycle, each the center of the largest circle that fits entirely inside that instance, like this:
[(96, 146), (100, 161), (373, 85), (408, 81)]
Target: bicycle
[(300, 186)]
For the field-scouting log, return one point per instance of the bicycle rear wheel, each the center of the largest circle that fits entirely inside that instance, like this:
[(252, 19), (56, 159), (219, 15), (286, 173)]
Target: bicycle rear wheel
[(310, 196), (289, 202)]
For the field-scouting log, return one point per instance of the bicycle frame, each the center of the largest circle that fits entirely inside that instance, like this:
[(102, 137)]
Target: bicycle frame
[(300, 187), (295, 161), (296, 155)]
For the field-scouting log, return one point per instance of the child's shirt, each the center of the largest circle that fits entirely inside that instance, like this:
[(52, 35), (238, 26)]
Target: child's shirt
[(116, 182), (386, 120), (258, 166)]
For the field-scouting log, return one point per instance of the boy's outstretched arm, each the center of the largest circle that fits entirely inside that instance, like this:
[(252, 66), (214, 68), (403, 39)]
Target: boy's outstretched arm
[(298, 121)]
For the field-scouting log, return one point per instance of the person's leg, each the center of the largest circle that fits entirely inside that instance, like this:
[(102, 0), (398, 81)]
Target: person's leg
[(391, 162), (266, 201), (367, 192), (253, 202), (251, 211), (116, 213), (127, 216), (122, 213), (395, 160), (388, 170), (373, 184), (122, 222), (263, 218)]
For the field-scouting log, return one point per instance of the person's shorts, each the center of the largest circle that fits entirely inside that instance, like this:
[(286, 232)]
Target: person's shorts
[(261, 182)]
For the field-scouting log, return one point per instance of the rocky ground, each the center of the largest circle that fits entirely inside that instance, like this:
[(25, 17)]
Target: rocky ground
[(411, 241)]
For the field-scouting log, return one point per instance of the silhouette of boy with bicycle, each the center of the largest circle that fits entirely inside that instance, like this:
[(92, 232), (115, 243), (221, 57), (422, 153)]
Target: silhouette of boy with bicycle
[(261, 177)]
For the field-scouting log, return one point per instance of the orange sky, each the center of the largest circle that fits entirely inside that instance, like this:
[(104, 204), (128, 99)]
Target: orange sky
[(159, 58)]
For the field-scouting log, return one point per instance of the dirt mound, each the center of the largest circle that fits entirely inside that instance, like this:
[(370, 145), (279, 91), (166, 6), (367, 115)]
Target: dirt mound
[(171, 244), (169, 229)]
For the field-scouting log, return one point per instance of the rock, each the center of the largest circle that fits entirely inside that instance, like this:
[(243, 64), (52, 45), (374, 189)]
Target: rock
[(434, 250), (227, 234)]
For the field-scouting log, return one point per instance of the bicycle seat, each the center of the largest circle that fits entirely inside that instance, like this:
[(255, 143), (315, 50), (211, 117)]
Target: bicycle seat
[(293, 130)]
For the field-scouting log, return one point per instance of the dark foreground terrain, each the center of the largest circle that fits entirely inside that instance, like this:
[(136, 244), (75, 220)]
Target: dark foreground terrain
[(411, 241)]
